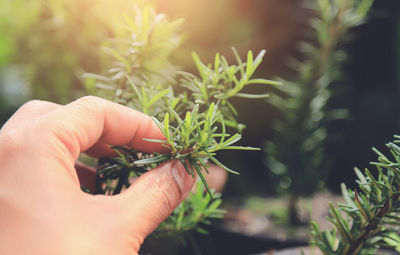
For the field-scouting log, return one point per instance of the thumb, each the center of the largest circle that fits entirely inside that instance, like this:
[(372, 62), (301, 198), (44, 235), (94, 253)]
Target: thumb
[(153, 197)]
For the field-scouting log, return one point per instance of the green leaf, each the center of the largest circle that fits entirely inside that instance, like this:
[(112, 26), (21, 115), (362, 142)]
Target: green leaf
[(222, 165), (231, 140), (180, 215), (346, 195), (188, 169), (258, 59), (249, 65), (216, 62), (158, 123), (363, 181), (373, 180), (232, 108), (153, 160), (200, 66), (241, 148), (329, 240), (133, 86), (144, 100), (174, 102), (203, 89), (340, 224), (380, 154), (200, 174), (176, 116), (264, 81), (166, 128), (119, 57), (208, 122), (360, 206), (214, 205), (240, 64), (252, 96), (157, 97), (155, 141), (193, 117), (221, 118)]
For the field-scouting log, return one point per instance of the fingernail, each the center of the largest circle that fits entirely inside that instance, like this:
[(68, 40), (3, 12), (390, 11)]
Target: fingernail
[(184, 180)]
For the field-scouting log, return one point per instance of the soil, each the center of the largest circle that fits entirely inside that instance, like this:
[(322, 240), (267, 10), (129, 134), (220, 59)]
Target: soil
[(259, 216), (267, 217)]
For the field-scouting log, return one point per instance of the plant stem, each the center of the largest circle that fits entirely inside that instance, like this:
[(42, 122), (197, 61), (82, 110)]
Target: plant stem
[(358, 243), (294, 217)]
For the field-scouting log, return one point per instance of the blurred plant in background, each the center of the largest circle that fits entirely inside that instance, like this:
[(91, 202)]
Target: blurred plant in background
[(296, 155), (52, 42)]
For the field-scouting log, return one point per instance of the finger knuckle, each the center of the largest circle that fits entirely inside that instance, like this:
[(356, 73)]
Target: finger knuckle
[(33, 104), (146, 124), (89, 103), (13, 142)]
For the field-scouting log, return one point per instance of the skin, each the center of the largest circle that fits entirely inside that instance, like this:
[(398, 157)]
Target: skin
[(42, 208)]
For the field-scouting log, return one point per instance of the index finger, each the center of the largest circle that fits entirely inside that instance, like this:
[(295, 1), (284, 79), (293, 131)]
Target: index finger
[(89, 120)]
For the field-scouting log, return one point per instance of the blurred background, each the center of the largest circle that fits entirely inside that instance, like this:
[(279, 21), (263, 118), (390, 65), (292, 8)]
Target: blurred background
[(46, 46)]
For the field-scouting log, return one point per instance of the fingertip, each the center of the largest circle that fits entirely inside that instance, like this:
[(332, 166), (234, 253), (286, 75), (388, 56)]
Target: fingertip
[(182, 178)]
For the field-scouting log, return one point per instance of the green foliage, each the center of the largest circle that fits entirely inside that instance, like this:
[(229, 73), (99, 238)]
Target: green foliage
[(194, 123), (370, 217), (192, 112), (296, 156), (50, 42), (195, 211)]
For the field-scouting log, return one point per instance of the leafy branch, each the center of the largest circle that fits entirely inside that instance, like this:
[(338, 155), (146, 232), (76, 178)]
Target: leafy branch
[(194, 122), (371, 215)]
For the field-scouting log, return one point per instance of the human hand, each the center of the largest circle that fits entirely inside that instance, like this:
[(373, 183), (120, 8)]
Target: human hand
[(42, 208)]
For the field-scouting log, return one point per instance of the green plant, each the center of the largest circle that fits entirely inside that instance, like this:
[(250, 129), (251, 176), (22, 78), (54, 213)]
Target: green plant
[(192, 112), (199, 207), (50, 42), (296, 155), (369, 219)]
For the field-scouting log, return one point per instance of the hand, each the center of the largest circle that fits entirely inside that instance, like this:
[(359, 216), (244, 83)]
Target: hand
[(42, 208)]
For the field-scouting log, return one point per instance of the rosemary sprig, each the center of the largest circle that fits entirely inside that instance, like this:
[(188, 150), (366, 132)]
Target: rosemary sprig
[(371, 217), (194, 121)]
